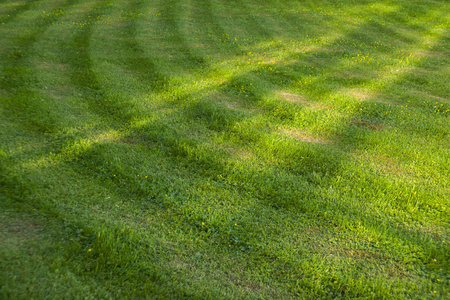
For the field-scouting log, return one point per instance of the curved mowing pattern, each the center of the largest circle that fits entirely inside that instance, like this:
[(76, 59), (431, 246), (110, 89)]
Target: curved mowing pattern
[(224, 149)]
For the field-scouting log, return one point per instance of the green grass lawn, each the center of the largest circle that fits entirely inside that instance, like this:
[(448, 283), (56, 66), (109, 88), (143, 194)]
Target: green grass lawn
[(224, 149)]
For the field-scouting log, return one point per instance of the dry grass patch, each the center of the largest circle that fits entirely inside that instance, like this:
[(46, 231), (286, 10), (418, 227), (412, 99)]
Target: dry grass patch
[(51, 66), (116, 22), (107, 137), (60, 92), (15, 231), (250, 287), (129, 140), (427, 53), (367, 124), (4, 93), (199, 45), (382, 163), (387, 165), (21, 228), (376, 257), (240, 153), (428, 95), (317, 49), (301, 100), (304, 137), (361, 94), (227, 101), (230, 105)]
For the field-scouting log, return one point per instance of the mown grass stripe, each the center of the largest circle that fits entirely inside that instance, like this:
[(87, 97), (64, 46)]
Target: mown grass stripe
[(138, 61), (212, 32), (83, 75), (23, 102), (243, 25), (170, 27)]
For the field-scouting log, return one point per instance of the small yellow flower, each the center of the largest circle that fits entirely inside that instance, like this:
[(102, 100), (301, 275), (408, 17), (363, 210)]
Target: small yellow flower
[(203, 223), (89, 250), (434, 260), (434, 292), (235, 224)]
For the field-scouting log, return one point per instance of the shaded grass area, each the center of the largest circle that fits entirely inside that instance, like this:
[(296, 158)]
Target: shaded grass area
[(224, 149)]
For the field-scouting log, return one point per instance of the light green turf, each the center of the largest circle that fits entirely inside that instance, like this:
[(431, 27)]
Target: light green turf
[(220, 149)]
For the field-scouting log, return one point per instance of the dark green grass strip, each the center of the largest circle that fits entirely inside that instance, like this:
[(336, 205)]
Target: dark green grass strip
[(23, 102), (137, 60), (170, 24), (244, 25), (83, 76), (249, 27), (215, 38), (206, 9)]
